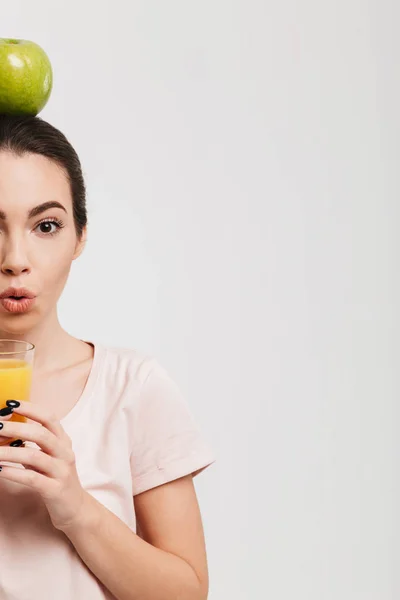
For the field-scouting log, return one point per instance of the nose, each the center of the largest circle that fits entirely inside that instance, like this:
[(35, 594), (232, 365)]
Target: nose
[(14, 260)]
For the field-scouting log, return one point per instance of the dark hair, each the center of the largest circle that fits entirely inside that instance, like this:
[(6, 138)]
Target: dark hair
[(32, 135)]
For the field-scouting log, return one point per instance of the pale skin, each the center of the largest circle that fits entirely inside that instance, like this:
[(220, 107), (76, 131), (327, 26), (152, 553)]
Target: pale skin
[(167, 559)]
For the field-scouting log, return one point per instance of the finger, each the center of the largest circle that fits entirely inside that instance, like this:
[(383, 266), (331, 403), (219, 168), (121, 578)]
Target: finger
[(6, 414), (32, 479), (39, 414), (33, 432), (4, 441), (31, 457)]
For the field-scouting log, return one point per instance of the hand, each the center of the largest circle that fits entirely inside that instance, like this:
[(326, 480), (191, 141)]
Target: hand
[(50, 470)]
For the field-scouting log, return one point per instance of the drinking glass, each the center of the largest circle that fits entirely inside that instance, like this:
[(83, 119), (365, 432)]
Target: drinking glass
[(16, 364)]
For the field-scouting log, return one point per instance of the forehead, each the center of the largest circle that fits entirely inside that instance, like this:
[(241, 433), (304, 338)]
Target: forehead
[(29, 180)]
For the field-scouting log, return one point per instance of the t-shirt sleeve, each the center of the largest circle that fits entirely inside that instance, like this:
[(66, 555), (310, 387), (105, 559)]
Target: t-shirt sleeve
[(167, 444)]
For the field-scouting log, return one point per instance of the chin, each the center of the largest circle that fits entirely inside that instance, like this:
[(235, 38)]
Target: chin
[(17, 325)]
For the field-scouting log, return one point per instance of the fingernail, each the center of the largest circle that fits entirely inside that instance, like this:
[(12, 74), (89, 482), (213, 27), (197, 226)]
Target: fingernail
[(13, 403), (1, 425), (4, 412), (16, 443)]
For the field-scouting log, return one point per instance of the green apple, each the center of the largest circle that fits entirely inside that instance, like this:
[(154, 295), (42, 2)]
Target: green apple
[(26, 77)]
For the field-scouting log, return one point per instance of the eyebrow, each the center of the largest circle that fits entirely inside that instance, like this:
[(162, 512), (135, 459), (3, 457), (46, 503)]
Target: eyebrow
[(38, 210)]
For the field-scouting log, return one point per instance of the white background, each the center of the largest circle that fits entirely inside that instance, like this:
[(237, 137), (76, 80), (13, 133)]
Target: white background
[(242, 164)]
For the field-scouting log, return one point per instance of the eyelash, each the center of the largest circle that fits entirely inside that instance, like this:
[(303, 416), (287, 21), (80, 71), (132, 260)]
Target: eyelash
[(53, 221)]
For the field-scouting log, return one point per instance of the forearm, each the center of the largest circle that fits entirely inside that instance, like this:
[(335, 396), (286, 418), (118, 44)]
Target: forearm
[(128, 566)]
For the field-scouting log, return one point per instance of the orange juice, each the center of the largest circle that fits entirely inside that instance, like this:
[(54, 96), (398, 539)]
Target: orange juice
[(15, 383)]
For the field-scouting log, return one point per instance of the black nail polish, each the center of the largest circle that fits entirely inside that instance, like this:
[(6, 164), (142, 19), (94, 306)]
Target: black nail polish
[(1, 468), (16, 443), (13, 403), (1, 425), (4, 412)]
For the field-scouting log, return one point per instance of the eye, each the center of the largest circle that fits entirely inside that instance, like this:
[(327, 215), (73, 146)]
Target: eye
[(50, 227)]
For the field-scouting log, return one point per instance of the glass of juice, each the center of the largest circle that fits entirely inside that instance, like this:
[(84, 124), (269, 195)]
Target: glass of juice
[(16, 364)]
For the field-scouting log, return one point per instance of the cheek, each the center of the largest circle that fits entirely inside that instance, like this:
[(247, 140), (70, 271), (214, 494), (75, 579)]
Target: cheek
[(53, 266)]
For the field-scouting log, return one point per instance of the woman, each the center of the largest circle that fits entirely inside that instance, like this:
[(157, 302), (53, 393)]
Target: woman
[(105, 505)]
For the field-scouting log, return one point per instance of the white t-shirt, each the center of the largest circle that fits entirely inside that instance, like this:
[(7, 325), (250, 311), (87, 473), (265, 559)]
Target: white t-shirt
[(131, 431)]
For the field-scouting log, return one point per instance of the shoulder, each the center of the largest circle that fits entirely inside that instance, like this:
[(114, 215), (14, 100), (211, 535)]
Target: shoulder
[(137, 386), (128, 366), (145, 406)]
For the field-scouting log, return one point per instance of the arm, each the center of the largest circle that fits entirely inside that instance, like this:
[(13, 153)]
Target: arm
[(169, 563)]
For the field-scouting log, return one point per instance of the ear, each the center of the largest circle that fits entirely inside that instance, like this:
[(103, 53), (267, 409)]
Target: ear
[(80, 244)]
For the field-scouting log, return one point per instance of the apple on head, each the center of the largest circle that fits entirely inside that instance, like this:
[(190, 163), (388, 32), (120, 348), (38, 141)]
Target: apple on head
[(26, 77)]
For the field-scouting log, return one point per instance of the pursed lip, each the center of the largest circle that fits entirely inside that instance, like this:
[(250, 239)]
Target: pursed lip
[(17, 300), (17, 293)]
